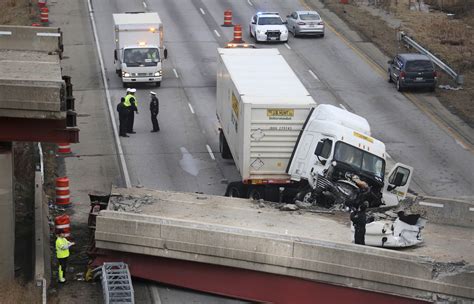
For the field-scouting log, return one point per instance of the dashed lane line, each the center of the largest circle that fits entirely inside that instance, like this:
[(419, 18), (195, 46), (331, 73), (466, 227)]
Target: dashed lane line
[(210, 152), (314, 75), (191, 108)]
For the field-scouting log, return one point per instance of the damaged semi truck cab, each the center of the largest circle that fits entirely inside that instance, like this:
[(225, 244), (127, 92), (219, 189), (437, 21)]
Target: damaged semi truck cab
[(284, 145), (335, 143), (139, 49)]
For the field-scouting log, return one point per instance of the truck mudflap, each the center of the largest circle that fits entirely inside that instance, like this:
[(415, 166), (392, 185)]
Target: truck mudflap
[(240, 283)]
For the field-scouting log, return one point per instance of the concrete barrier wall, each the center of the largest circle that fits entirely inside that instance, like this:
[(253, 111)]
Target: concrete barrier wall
[(31, 38), (445, 211), (355, 266)]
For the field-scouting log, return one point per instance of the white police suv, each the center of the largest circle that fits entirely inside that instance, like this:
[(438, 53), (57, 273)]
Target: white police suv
[(268, 26)]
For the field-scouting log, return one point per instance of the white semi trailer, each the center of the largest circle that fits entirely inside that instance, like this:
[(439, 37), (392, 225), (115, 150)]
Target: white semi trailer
[(139, 49), (286, 147)]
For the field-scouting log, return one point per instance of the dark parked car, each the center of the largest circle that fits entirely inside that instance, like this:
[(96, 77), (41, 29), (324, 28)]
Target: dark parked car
[(412, 71)]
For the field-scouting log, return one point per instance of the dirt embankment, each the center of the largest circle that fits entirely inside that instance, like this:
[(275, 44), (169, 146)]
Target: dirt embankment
[(451, 38)]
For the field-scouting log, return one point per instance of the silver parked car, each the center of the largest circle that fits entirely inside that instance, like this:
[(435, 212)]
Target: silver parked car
[(305, 23)]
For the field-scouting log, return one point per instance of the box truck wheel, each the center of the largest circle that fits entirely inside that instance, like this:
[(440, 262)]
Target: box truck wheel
[(224, 147), (158, 84)]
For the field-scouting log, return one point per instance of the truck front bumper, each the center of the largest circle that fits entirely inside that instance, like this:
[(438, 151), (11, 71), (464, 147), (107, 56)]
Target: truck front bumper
[(141, 79)]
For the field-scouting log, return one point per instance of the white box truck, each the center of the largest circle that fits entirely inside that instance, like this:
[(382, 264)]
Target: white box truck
[(286, 147), (139, 49)]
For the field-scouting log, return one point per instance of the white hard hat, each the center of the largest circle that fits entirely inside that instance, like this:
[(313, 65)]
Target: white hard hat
[(152, 93), (133, 90), (128, 89)]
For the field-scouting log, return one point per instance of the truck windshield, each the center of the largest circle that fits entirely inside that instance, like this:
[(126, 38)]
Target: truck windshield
[(360, 160), (141, 57)]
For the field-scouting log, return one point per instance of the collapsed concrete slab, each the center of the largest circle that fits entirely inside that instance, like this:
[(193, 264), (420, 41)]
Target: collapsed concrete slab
[(241, 234)]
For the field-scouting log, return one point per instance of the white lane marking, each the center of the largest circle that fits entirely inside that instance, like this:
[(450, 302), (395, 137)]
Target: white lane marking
[(288, 46), (217, 33), (471, 209), (461, 144), (436, 205), (342, 106), (202, 11), (210, 152), (250, 3), (313, 74), (175, 73), (126, 175), (191, 108), (155, 294), (144, 4)]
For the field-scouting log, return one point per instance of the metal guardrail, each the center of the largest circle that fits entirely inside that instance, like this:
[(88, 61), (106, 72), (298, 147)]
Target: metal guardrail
[(458, 78)]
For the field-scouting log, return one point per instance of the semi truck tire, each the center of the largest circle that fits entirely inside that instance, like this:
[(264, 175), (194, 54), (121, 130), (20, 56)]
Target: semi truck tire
[(256, 193), (224, 147), (236, 189), (158, 84)]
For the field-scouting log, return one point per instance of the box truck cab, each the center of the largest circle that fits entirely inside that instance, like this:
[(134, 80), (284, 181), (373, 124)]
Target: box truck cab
[(139, 49)]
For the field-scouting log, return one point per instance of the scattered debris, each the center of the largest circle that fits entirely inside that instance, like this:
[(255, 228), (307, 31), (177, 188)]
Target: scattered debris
[(302, 205), (289, 207), (321, 211), (130, 203)]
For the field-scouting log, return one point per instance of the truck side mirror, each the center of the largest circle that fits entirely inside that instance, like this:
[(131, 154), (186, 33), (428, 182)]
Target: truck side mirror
[(115, 55), (390, 61), (165, 53), (285, 22), (253, 22), (397, 182)]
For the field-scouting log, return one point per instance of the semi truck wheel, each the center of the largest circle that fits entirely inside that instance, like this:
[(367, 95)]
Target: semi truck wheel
[(235, 189), (158, 84), (256, 193), (224, 147)]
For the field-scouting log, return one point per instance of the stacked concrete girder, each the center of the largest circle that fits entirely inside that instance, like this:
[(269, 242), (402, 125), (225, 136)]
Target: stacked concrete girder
[(32, 89), (237, 233)]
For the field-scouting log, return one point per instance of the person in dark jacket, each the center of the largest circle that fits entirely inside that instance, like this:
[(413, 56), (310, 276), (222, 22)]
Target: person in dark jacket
[(154, 110), (359, 219), (123, 118)]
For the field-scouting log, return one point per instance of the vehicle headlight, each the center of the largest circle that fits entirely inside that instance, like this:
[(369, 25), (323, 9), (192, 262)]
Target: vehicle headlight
[(157, 74), (125, 74), (285, 31), (260, 32)]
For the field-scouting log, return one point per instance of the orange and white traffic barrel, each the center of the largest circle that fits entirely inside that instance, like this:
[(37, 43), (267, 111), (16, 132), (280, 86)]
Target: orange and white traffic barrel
[(227, 18), (64, 148), (63, 196), (44, 15), (41, 3), (62, 224), (237, 34)]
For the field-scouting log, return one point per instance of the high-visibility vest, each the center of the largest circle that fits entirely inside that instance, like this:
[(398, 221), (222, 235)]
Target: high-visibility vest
[(128, 103), (60, 244)]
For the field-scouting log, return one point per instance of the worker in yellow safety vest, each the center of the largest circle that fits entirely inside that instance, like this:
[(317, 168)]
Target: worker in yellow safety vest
[(132, 105), (62, 253)]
